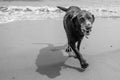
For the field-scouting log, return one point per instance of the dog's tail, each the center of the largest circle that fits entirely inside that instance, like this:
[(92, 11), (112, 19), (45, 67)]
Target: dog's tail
[(62, 8)]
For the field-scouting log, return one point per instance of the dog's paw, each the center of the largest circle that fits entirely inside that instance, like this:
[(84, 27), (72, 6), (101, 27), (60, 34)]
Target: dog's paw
[(84, 64), (68, 49)]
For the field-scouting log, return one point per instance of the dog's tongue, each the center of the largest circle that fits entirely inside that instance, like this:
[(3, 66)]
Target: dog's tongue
[(86, 35)]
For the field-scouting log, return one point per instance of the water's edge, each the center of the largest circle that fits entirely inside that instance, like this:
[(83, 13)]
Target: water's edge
[(12, 13)]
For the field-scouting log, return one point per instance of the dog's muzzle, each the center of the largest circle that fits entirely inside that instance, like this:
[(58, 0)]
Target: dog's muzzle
[(86, 30)]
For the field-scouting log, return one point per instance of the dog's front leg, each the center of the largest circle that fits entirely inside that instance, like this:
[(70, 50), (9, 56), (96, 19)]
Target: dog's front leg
[(83, 63), (78, 55), (79, 43)]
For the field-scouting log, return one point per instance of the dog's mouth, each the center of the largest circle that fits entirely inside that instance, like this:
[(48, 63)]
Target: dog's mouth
[(86, 31)]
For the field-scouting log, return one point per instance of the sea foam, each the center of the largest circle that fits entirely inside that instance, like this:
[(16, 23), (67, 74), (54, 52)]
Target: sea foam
[(12, 13)]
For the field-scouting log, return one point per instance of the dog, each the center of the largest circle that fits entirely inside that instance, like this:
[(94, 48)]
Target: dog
[(77, 24)]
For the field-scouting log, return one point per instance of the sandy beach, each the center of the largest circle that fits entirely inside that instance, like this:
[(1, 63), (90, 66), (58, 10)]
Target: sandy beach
[(34, 50)]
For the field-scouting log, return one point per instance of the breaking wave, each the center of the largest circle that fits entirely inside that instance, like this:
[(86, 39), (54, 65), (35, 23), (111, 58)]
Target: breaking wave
[(12, 13)]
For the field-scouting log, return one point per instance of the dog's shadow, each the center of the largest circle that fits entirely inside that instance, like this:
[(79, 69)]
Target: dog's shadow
[(51, 60)]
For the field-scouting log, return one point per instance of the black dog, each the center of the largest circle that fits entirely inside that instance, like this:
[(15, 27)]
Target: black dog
[(77, 24)]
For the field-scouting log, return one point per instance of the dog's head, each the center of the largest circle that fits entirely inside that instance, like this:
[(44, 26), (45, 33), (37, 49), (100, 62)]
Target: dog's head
[(85, 20)]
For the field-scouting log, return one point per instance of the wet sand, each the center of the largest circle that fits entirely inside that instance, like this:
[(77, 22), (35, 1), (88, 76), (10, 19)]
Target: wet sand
[(34, 50)]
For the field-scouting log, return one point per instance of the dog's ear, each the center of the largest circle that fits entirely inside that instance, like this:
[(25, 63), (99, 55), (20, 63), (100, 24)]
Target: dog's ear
[(93, 18)]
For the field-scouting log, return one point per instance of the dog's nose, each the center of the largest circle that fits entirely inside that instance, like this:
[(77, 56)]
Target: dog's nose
[(89, 24)]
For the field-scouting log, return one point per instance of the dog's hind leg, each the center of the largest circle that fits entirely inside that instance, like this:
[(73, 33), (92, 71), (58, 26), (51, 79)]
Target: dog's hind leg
[(68, 49)]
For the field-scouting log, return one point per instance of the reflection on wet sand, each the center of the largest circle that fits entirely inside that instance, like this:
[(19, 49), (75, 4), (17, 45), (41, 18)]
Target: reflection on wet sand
[(51, 61)]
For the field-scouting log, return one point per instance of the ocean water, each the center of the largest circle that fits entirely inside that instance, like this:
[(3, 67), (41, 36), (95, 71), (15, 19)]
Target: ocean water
[(12, 10)]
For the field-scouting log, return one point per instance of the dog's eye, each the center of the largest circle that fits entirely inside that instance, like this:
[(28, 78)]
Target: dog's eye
[(89, 18), (82, 19)]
